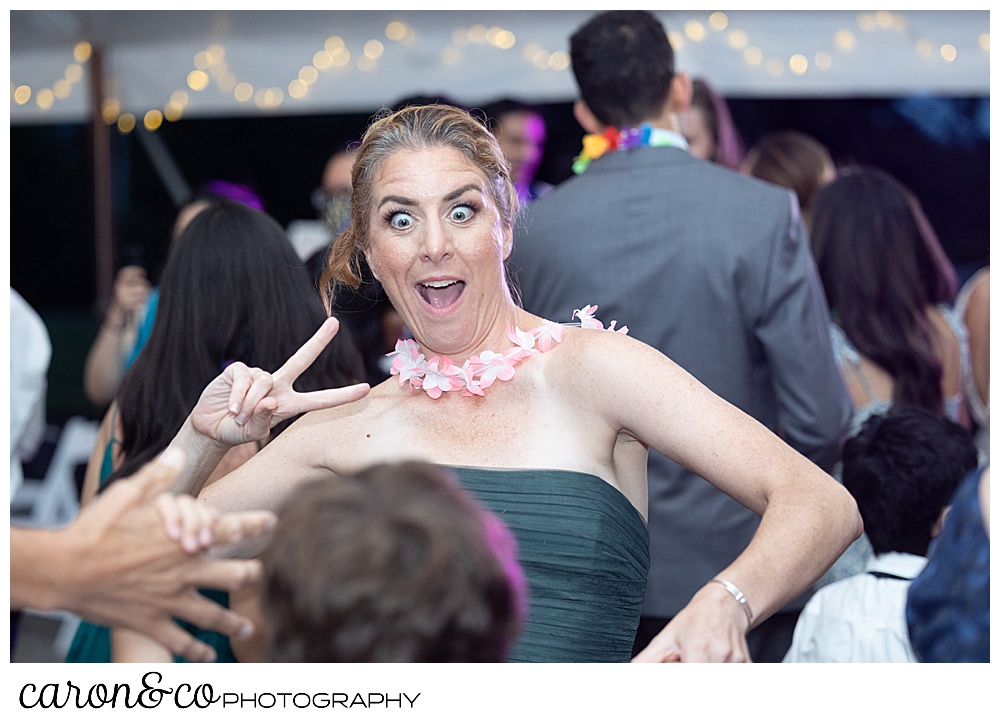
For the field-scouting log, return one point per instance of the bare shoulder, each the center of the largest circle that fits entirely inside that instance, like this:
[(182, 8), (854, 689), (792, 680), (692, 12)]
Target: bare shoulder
[(588, 354), (608, 367)]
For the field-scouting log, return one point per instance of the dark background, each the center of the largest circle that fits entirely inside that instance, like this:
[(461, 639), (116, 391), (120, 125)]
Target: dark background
[(938, 147)]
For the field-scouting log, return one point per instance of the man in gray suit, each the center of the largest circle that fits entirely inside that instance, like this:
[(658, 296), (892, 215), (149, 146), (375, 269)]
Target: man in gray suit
[(711, 268)]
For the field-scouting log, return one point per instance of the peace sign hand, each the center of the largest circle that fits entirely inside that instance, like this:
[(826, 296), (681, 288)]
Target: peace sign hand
[(242, 404)]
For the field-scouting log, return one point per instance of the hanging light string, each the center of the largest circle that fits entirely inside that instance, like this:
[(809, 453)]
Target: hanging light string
[(210, 64)]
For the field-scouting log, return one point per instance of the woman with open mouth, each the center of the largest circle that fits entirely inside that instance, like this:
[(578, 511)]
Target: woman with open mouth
[(548, 425)]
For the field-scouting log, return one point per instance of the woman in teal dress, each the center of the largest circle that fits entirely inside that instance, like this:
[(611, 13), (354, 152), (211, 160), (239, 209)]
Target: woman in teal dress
[(232, 288), (548, 425)]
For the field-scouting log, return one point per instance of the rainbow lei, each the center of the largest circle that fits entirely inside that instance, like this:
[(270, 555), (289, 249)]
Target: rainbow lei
[(439, 374), (595, 146)]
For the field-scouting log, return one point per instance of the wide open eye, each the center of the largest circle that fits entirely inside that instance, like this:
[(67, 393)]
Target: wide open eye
[(461, 213), (401, 220)]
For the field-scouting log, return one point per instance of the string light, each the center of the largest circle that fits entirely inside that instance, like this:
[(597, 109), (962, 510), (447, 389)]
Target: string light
[(126, 123), (322, 59), (477, 34), (738, 39), (172, 112), (209, 64), (844, 39), (82, 51), (152, 120), (559, 60), (243, 92), (342, 57), (505, 40), (197, 80), (308, 74), (694, 30), (395, 31), (110, 110), (45, 98)]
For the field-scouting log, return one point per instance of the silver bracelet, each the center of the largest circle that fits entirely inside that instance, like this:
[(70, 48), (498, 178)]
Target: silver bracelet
[(738, 594)]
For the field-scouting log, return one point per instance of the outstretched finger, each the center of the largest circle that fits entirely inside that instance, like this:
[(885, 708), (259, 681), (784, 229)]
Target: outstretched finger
[(326, 398), (307, 353), (238, 526), (180, 642), (228, 575), (199, 610)]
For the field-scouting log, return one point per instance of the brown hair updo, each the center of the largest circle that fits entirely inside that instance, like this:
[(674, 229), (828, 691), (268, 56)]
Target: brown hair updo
[(415, 128)]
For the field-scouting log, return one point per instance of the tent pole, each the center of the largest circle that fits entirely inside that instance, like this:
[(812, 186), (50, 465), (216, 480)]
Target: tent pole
[(103, 199)]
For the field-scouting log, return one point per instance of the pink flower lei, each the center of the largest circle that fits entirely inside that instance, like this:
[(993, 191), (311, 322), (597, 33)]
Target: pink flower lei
[(439, 374)]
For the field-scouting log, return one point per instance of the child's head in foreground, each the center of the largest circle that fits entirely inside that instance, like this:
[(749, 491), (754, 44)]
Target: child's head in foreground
[(902, 469), (394, 564)]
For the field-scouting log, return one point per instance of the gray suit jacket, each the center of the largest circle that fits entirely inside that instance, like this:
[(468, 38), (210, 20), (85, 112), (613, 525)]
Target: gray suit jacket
[(714, 270)]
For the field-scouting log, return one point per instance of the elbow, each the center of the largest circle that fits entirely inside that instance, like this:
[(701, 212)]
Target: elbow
[(852, 524)]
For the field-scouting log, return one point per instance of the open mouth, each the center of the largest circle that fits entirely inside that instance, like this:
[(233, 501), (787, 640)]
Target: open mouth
[(441, 294)]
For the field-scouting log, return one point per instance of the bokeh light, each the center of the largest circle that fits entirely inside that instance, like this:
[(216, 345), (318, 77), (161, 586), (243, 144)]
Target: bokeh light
[(152, 120), (694, 30), (126, 123), (243, 92), (719, 21), (82, 52), (738, 39), (197, 80), (45, 98)]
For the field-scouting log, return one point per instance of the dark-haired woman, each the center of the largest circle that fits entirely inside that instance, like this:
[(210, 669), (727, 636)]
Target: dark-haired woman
[(232, 290), (890, 288)]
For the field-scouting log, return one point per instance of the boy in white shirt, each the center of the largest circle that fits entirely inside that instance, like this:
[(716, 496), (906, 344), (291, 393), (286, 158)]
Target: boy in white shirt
[(902, 469)]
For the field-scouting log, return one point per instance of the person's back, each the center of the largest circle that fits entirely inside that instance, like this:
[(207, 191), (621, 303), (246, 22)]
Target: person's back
[(709, 267), (901, 468)]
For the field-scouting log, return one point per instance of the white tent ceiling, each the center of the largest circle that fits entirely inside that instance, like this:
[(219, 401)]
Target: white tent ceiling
[(149, 55)]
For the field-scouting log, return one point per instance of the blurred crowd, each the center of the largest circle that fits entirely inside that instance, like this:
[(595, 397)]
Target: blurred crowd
[(813, 296)]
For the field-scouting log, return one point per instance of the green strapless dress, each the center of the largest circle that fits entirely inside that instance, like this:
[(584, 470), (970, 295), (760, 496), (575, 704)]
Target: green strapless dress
[(585, 551)]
